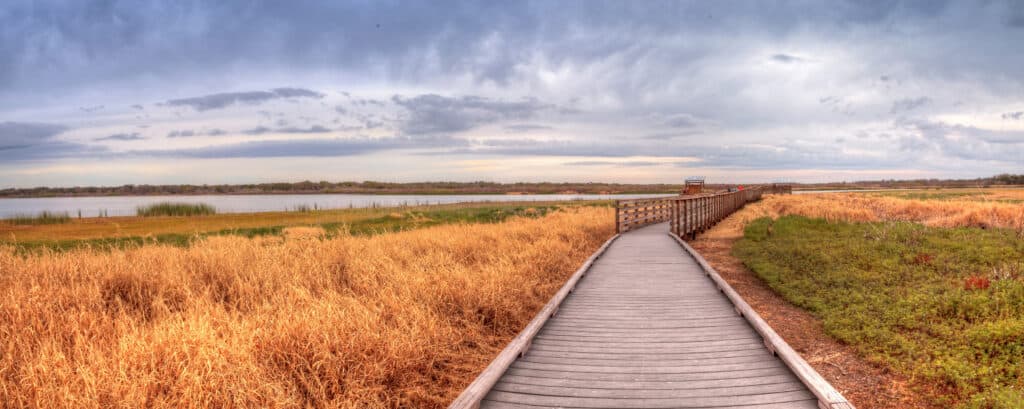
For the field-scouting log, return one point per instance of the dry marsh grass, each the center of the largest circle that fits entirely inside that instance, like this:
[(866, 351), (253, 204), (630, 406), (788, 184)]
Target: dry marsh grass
[(859, 207), (395, 320)]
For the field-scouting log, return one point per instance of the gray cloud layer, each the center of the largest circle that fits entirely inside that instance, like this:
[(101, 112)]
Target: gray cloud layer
[(223, 100), (23, 141), (790, 84), (436, 114), (134, 136), (305, 147)]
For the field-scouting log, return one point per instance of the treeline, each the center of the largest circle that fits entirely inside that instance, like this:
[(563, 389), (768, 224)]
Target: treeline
[(366, 187)]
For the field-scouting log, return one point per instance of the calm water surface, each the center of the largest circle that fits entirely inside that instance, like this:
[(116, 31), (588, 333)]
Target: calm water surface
[(125, 205)]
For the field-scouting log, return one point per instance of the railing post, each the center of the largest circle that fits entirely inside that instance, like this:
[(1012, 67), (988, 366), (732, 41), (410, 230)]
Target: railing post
[(617, 202)]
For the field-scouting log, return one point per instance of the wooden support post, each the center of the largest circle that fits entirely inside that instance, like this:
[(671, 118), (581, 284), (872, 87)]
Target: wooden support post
[(618, 209)]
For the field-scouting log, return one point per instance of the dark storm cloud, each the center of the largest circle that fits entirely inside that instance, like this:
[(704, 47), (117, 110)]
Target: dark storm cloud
[(60, 43), (619, 60), (307, 147), (27, 133), (225, 99), (134, 136), (436, 114), (25, 141)]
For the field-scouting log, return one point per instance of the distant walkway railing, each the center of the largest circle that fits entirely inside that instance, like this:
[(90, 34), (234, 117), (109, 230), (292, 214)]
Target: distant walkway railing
[(691, 214), (633, 213)]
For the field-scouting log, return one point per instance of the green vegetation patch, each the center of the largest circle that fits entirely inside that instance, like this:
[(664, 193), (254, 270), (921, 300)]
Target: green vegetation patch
[(399, 220), (40, 218), (175, 209), (943, 305)]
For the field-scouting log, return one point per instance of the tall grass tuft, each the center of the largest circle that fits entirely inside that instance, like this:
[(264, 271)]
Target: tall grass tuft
[(175, 209), (395, 320), (45, 217)]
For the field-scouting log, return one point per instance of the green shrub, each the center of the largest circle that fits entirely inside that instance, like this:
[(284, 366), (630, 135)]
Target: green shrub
[(175, 209), (905, 295)]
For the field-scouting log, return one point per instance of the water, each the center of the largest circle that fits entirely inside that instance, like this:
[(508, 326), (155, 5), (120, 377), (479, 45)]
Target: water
[(125, 205)]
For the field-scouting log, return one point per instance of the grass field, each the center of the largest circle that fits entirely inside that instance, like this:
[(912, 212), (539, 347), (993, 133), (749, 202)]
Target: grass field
[(119, 232), (930, 287), (296, 320)]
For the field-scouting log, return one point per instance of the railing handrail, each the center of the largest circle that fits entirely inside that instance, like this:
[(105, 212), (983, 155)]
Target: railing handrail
[(633, 213)]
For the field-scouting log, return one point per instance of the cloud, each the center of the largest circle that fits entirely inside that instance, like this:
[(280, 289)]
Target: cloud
[(681, 121), (137, 107), (786, 58), (526, 127), (223, 100), (824, 155), (960, 141), (26, 141), (181, 134), (667, 136), (307, 147), (624, 70), (1014, 115), (630, 164), (14, 134), (188, 133), (909, 104), (134, 136), (260, 130), (436, 114)]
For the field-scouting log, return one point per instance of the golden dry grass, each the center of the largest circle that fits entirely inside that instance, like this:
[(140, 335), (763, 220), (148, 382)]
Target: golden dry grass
[(858, 207), (395, 320)]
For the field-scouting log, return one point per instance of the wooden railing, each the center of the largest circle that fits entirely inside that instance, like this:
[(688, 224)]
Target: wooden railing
[(688, 215), (633, 213), (695, 214)]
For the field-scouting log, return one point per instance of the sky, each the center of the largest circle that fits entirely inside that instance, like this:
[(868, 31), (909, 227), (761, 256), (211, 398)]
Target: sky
[(207, 92)]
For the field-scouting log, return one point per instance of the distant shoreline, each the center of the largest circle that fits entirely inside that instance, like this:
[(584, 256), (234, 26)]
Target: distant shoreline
[(469, 188), (336, 193)]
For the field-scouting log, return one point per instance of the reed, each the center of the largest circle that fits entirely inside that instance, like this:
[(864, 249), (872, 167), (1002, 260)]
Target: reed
[(175, 209), (300, 320)]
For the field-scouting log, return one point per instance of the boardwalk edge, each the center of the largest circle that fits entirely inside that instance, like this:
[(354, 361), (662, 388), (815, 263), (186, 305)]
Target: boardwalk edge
[(476, 391), (828, 396)]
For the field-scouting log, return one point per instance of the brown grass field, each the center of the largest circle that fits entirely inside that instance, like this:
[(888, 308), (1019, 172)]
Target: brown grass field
[(947, 208), (395, 320)]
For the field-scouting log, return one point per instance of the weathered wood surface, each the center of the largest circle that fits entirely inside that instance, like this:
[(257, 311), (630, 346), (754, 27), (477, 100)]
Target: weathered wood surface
[(646, 328), (634, 213)]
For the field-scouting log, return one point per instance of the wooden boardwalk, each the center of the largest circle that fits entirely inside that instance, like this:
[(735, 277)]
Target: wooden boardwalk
[(645, 327)]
